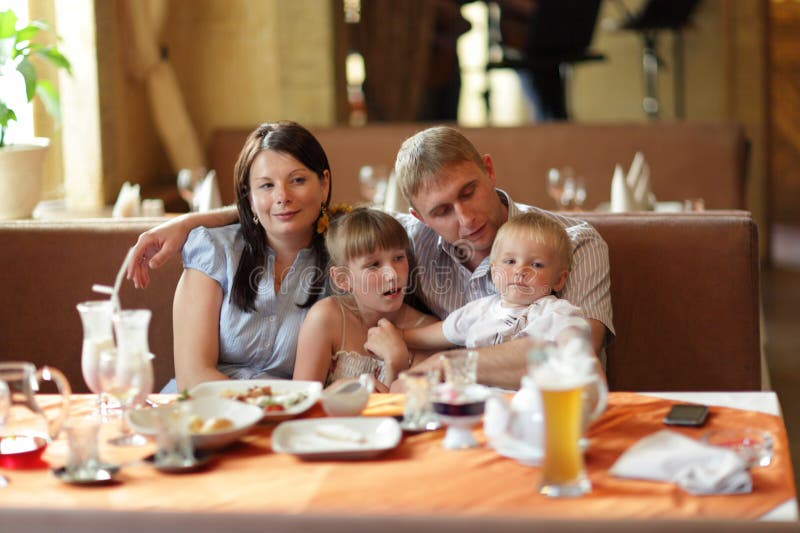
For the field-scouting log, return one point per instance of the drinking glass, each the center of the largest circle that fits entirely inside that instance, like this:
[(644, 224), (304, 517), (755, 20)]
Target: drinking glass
[(460, 367), (580, 194), (418, 385), (123, 375), (83, 460), (97, 336), (188, 179), (5, 403), (131, 329), (555, 185)]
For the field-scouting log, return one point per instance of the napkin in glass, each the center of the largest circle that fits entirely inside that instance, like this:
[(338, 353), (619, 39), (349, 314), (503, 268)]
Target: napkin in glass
[(695, 467)]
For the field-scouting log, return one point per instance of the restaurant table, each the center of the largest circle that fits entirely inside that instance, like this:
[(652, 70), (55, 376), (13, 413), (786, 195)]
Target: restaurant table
[(418, 485)]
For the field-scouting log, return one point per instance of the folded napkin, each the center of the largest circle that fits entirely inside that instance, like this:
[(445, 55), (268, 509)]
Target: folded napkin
[(206, 194), (129, 203), (632, 192), (695, 467)]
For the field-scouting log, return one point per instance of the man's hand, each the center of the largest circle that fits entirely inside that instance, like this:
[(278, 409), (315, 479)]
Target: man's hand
[(154, 248)]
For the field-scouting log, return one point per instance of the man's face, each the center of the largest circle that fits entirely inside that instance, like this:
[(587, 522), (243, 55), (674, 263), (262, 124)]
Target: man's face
[(461, 205)]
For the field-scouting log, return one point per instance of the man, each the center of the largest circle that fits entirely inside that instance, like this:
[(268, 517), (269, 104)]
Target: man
[(455, 214)]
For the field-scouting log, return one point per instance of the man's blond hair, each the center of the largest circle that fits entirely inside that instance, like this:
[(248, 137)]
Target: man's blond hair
[(426, 153), (539, 228)]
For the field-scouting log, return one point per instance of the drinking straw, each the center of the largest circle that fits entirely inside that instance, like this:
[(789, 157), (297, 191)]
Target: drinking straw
[(114, 291)]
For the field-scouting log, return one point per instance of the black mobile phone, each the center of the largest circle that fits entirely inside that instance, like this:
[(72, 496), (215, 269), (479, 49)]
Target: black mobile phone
[(687, 415)]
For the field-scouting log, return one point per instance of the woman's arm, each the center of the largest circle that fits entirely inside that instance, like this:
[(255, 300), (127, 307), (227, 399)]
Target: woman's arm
[(157, 245), (316, 341), (195, 326)]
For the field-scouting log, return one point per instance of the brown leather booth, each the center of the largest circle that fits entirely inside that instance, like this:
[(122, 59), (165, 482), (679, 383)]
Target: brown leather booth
[(687, 159), (684, 287)]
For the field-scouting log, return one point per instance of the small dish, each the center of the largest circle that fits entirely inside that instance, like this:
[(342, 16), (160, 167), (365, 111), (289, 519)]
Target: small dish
[(22, 451), (283, 390), (105, 475), (243, 416), (337, 439), (201, 460), (431, 425), (754, 446), (347, 397)]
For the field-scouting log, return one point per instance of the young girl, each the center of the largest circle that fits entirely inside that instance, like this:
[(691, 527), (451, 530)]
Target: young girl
[(369, 253)]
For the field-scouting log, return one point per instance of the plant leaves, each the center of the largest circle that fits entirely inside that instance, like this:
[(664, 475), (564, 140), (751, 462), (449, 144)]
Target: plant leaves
[(8, 23), (6, 115), (28, 71), (49, 96), (28, 32), (54, 55)]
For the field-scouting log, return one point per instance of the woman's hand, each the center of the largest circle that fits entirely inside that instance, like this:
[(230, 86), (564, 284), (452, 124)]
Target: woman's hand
[(154, 247), (386, 341)]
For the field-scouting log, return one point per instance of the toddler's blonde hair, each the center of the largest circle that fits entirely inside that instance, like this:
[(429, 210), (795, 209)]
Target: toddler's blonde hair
[(539, 228)]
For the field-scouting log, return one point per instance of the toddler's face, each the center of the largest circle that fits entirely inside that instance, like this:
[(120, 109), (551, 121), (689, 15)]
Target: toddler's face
[(378, 280), (525, 270)]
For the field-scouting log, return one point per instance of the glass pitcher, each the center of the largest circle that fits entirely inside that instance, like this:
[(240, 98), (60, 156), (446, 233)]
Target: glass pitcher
[(131, 328), (23, 379)]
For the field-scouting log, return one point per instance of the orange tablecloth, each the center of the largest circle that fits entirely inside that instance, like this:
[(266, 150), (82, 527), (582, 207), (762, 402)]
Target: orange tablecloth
[(419, 477)]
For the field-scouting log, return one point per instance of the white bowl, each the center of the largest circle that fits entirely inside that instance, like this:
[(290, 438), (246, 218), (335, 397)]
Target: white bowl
[(347, 397), (243, 416)]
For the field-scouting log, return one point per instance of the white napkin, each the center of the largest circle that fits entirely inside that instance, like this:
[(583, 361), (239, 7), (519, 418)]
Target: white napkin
[(695, 467), (516, 429), (621, 194), (206, 194), (128, 202)]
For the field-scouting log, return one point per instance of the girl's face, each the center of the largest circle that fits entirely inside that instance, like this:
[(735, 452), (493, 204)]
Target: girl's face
[(377, 280), (286, 195)]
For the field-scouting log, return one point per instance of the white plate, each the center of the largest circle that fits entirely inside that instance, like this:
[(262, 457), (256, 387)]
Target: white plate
[(311, 439), (279, 386), (242, 415)]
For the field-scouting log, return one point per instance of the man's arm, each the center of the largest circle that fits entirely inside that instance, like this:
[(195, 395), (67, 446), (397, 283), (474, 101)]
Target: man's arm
[(157, 245)]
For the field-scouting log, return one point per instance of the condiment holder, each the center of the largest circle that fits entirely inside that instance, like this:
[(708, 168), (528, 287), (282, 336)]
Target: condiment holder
[(347, 397)]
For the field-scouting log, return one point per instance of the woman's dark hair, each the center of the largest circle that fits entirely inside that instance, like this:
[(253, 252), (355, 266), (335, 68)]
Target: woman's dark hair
[(287, 138)]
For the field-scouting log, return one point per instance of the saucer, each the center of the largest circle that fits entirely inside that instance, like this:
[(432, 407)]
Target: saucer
[(430, 426), (201, 460), (105, 475)]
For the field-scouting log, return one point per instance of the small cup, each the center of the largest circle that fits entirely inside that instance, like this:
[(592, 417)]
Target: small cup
[(174, 441), (460, 367), (753, 446), (694, 204), (82, 433), (418, 414), (153, 207)]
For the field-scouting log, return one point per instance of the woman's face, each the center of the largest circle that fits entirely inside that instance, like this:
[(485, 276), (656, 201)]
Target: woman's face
[(286, 195)]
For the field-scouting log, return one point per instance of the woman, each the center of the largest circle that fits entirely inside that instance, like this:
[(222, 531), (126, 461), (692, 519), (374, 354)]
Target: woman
[(246, 287)]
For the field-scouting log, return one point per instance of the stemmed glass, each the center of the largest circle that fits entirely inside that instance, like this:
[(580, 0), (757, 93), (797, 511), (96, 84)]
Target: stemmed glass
[(96, 321), (188, 180), (124, 375), (555, 185)]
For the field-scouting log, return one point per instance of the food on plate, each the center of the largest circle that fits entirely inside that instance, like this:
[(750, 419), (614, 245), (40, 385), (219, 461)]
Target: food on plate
[(212, 425), (266, 398), (340, 433)]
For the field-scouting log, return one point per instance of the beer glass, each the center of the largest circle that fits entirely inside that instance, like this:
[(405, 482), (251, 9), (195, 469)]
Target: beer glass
[(563, 470)]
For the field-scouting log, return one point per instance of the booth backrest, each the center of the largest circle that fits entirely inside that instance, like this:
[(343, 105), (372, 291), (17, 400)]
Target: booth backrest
[(686, 159), (684, 290)]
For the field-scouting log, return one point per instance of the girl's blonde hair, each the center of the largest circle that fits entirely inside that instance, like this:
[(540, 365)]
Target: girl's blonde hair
[(539, 228), (363, 231)]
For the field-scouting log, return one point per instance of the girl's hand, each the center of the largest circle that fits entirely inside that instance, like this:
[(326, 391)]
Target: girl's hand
[(386, 342)]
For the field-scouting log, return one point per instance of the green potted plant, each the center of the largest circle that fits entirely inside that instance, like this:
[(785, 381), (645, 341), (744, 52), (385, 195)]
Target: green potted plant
[(21, 163)]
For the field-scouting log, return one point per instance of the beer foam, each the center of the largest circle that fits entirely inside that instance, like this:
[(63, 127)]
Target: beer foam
[(564, 373)]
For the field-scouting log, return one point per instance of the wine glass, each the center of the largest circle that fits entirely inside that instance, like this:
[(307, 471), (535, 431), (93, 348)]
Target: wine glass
[(555, 185), (580, 193), (188, 179), (96, 321), (123, 374)]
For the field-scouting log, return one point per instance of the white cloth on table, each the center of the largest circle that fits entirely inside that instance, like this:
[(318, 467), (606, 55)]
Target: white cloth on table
[(695, 467)]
